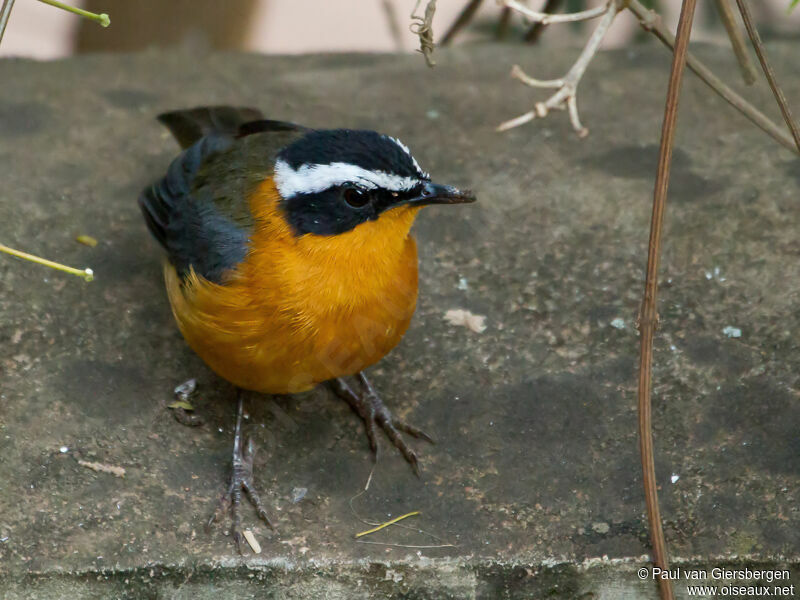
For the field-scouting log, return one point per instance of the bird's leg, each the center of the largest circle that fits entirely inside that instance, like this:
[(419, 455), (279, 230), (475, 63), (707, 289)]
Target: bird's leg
[(369, 406), (241, 479)]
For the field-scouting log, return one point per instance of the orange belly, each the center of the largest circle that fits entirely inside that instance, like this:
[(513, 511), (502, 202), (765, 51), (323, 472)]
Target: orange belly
[(300, 311)]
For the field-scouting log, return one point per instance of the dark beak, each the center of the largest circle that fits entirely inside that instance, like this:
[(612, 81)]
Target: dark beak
[(433, 193)]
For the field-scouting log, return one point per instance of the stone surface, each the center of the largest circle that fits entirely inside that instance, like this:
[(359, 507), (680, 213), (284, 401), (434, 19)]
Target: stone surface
[(536, 471)]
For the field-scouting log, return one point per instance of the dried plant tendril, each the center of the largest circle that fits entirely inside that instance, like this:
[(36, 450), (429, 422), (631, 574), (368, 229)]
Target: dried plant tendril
[(423, 28)]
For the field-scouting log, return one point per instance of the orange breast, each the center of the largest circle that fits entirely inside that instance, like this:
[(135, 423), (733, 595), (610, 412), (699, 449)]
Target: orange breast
[(301, 310)]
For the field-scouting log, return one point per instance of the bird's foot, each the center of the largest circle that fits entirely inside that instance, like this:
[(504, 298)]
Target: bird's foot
[(369, 406), (241, 481)]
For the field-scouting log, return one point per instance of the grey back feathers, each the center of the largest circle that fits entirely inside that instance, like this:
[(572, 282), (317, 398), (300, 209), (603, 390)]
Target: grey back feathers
[(199, 210)]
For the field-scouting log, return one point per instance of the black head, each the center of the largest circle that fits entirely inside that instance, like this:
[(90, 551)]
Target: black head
[(333, 180)]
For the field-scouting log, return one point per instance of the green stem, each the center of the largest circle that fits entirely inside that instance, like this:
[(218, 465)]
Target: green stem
[(87, 273), (102, 19)]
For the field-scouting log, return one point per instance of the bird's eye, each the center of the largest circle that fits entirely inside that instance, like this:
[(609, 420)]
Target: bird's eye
[(356, 197)]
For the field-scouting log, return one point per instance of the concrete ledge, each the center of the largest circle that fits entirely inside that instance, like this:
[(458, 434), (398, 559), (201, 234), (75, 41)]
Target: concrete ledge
[(411, 578), (536, 471)]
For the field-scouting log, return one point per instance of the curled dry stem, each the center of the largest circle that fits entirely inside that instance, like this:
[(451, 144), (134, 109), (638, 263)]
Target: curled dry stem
[(422, 27)]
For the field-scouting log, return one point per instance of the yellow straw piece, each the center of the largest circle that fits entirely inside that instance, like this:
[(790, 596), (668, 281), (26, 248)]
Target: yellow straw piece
[(86, 240), (252, 541), (392, 522), (87, 273), (103, 19)]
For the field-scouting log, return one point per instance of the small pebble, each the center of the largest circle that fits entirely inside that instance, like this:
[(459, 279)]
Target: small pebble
[(618, 323), (601, 527), (298, 494), (732, 332), (186, 389)]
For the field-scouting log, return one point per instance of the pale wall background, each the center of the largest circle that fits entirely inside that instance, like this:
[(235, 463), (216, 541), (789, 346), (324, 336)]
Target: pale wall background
[(297, 26)]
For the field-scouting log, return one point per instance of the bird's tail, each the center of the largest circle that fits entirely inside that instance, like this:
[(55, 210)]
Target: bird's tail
[(188, 126)]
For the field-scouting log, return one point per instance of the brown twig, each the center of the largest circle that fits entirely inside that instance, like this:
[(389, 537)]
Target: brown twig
[(534, 33), (394, 26), (462, 20), (502, 25), (737, 41), (770, 74), (648, 315), (650, 21)]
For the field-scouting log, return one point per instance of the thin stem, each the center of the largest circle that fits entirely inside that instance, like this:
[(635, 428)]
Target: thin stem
[(394, 25), (770, 74), (547, 19), (502, 24), (387, 523), (517, 121), (5, 13), (648, 315), (737, 41), (462, 20), (651, 22), (566, 96), (535, 32), (101, 19), (87, 273), (518, 73)]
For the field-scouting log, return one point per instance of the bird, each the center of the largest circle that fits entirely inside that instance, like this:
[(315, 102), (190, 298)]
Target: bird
[(290, 261)]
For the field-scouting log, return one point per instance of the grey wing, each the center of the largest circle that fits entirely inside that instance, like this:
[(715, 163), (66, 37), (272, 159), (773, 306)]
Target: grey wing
[(199, 210), (187, 223)]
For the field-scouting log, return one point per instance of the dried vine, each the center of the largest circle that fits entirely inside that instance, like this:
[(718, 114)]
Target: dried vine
[(648, 315)]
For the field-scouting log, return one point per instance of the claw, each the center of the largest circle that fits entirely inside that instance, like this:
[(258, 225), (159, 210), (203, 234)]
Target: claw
[(255, 500), (413, 431), (414, 465), (369, 406)]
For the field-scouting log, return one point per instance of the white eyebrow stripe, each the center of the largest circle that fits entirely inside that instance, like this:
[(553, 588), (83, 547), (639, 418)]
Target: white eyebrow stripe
[(405, 149), (311, 179)]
